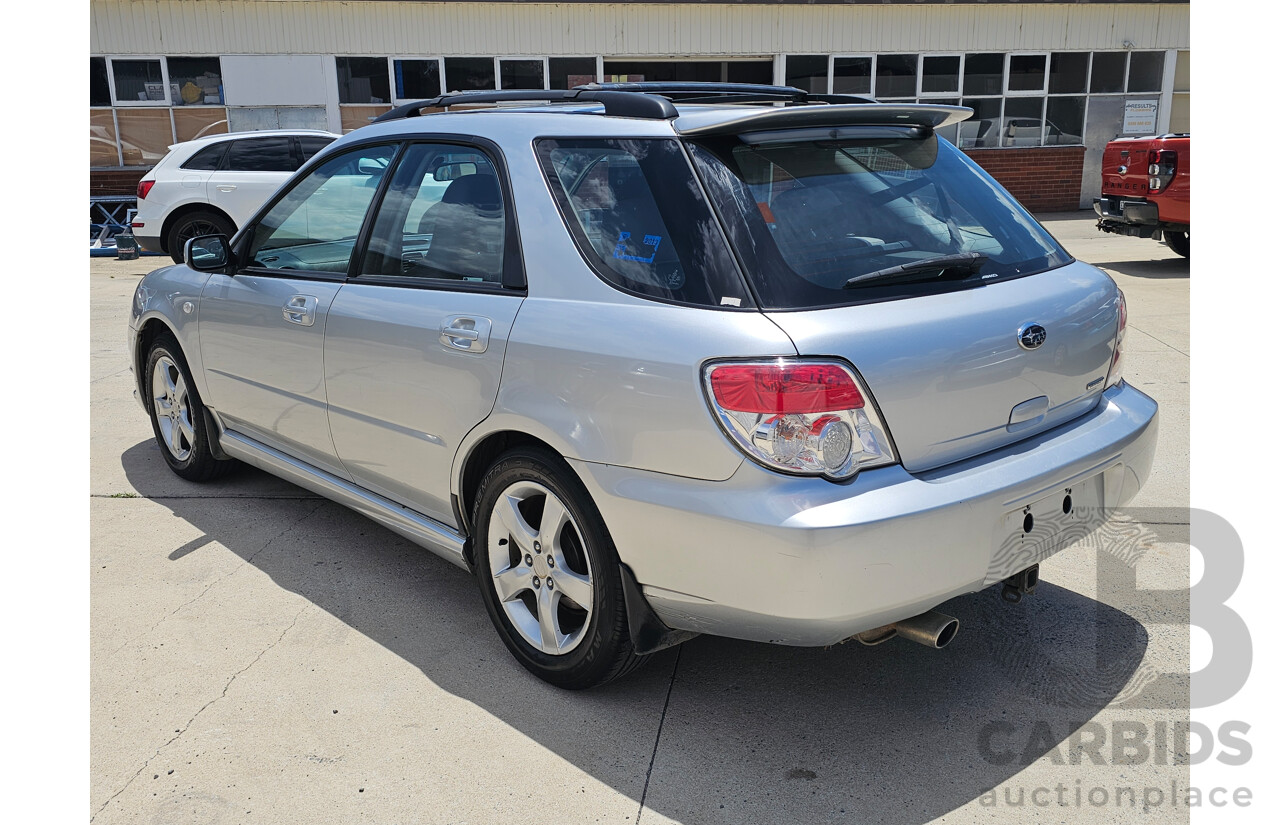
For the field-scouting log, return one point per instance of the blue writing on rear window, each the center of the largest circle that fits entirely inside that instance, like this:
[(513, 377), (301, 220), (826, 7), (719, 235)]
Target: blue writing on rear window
[(620, 251)]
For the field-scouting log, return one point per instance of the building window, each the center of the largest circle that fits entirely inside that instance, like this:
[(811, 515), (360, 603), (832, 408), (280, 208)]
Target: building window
[(567, 72), (138, 81), (363, 80), (145, 135), (195, 81), (103, 149), (1064, 121), (1146, 71), (1108, 72), (940, 74), (1069, 73), (99, 88), (851, 75), (983, 74), (417, 79), (896, 75), (190, 123), (982, 130), (522, 74), (808, 72), (1027, 73), (462, 74)]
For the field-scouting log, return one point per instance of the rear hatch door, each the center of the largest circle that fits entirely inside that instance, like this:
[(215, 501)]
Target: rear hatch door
[(1124, 168)]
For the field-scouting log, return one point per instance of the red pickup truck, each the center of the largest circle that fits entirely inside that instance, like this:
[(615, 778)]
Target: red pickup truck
[(1146, 190)]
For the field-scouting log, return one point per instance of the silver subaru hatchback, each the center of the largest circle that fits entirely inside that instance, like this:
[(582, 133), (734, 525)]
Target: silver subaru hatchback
[(658, 360)]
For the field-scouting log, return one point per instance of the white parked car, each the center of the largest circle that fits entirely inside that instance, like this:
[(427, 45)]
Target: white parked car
[(213, 185)]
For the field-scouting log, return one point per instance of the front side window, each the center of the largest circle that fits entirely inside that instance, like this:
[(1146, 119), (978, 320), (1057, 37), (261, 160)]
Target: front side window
[(637, 215), (442, 218), (809, 212), (313, 228)]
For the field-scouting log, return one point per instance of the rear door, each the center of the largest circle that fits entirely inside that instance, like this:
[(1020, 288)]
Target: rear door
[(252, 171), (262, 329), (415, 343)]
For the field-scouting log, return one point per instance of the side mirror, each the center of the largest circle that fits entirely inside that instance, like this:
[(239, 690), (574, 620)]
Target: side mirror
[(371, 166), (208, 253)]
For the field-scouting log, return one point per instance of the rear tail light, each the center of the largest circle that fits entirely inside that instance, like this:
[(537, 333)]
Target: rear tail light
[(798, 416), (1117, 357), (1162, 166), (144, 186)]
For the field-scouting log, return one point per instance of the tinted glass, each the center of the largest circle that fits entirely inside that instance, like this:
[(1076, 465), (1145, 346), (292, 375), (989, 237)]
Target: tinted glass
[(417, 79), (195, 81), (1108, 72), (99, 90), (851, 76), (637, 215), (363, 80), (207, 159), (274, 154), (940, 74), (808, 72), (984, 74), (521, 74), (1064, 121), (468, 73), (567, 72), (138, 80), (896, 75), (1068, 72), (809, 212), (1023, 121), (442, 218), (1026, 72), (314, 226), (312, 145), (1146, 71)]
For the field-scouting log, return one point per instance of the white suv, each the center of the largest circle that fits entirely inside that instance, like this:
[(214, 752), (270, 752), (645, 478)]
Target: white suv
[(213, 185)]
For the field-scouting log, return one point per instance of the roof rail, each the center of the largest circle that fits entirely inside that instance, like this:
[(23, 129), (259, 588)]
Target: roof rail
[(698, 92), (617, 103)]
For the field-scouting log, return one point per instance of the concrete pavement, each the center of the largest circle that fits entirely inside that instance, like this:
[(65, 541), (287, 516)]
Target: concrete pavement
[(262, 655)]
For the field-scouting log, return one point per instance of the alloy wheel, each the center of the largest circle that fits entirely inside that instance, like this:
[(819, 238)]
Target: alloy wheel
[(172, 408)]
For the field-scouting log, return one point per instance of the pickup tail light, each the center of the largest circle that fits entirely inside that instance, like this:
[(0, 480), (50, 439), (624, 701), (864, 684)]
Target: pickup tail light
[(798, 416), (144, 186), (1117, 356), (1161, 168)]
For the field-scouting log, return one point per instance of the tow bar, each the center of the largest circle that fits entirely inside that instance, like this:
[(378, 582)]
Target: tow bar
[(1021, 584)]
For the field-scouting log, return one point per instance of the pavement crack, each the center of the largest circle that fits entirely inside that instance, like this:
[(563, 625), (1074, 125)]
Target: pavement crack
[(112, 375), (1163, 343), (178, 735), (248, 560), (658, 737)]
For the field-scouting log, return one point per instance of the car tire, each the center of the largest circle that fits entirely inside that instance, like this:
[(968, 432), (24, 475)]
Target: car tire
[(1179, 242), (534, 575), (193, 225), (177, 414)]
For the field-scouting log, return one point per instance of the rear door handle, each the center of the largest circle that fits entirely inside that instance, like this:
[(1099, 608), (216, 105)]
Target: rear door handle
[(465, 333), (226, 187), (301, 310)]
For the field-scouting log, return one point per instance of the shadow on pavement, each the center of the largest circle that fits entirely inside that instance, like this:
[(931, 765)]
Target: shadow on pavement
[(1158, 269), (753, 732)]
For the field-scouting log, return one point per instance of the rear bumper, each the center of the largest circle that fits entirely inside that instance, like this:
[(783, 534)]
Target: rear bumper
[(149, 243), (803, 561)]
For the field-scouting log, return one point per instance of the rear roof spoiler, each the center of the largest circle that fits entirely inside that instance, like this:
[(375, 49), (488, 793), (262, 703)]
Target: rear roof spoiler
[(703, 122)]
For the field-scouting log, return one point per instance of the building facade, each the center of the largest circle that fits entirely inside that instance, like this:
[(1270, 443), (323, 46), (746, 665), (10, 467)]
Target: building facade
[(1049, 83)]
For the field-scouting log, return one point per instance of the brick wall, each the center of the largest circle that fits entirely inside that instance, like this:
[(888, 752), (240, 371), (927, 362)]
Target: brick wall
[(1044, 179), (115, 181)]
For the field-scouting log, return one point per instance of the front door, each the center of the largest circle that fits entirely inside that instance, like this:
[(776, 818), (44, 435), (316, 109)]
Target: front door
[(415, 342), (262, 329)]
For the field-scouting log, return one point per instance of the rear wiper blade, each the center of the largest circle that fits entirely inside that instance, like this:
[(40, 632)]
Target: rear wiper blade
[(968, 261)]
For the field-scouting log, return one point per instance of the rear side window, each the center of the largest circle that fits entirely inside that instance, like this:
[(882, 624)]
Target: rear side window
[(312, 145), (637, 215), (274, 154), (207, 159)]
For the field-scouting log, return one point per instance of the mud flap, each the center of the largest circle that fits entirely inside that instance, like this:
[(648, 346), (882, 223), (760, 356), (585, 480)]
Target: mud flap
[(648, 633)]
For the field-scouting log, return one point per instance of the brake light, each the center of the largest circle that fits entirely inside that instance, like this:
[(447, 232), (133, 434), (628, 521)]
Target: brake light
[(144, 186), (1162, 166), (803, 417), (1117, 356)]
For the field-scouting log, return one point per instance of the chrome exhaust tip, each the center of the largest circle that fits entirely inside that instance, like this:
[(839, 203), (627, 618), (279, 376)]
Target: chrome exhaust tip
[(931, 629)]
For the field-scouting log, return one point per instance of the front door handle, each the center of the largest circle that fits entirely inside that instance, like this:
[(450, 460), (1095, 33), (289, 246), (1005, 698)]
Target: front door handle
[(226, 187), (301, 310), (465, 333)]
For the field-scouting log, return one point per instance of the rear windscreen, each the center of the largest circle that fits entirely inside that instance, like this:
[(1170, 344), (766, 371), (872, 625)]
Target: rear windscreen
[(636, 212), (810, 210)]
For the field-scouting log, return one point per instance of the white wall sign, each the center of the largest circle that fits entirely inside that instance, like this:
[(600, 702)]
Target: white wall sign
[(1140, 117)]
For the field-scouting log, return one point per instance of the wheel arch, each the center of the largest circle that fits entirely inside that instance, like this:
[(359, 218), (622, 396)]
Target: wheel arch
[(187, 209), (477, 457)]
